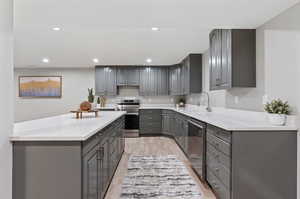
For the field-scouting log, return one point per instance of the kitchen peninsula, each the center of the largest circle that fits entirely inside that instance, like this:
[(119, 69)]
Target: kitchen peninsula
[(62, 157)]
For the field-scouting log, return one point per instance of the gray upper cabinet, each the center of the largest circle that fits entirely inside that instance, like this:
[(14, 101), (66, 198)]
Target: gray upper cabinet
[(191, 77), (154, 81), (162, 80), (175, 79), (105, 81), (147, 83), (232, 58), (128, 76), (186, 77)]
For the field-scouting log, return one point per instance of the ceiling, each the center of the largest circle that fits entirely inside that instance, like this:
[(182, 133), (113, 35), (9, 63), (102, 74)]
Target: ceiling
[(119, 31)]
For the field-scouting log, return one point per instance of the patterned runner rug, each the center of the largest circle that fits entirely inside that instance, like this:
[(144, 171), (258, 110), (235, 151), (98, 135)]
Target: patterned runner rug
[(158, 177)]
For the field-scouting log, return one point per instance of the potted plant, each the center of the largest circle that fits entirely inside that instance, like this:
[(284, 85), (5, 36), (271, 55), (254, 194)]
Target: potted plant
[(91, 97), (277, 111)]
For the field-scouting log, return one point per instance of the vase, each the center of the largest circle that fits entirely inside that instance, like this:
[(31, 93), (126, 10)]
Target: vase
[(277, 119)]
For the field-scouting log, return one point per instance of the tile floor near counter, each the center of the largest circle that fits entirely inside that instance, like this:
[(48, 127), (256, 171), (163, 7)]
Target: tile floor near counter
[(150, 146)]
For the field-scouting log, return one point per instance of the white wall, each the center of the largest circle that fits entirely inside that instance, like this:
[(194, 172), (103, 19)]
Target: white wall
[(6, 97)]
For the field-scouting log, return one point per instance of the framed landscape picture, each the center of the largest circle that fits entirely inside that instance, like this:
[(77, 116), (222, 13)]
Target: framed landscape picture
[(40, 86)]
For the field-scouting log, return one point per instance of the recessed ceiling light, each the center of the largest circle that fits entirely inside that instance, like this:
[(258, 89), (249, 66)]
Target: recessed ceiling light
[(95, 60), (155, 28), (148, 60), (56, 28), (45, 60)]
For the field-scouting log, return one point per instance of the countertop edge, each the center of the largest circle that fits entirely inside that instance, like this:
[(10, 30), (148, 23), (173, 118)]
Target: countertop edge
[(236, 129), (64, 139)]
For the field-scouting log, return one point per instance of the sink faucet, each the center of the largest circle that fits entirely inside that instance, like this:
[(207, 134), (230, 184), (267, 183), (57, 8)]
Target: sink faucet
[(208, 108)]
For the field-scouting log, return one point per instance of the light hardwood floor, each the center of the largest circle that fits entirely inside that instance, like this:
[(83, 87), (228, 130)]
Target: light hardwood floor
[(150, 146)]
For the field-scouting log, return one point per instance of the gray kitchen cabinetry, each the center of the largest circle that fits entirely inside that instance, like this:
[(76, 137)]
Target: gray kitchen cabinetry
[(128, 76), (150, 121), (186, 78), (105, 80), (232, 58), (168, 122), (147, 82), (191, 74), (175, 79), (162, 80), (244, 164), (153, 81), (67, 169)]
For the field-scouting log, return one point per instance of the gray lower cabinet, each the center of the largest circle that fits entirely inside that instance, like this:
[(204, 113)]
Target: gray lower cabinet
[(67, 169), (232, 58), (128, 76), (106, 80), (249, 165), (150, 121)]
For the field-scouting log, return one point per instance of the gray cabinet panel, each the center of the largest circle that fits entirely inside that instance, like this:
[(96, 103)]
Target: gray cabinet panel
[(92, 170), (100, 81), (232, 58), (111, 81), (105, 81), (150, 121), (128, 76)]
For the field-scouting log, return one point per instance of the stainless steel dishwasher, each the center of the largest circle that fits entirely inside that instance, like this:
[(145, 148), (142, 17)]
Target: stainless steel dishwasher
[(197, 147)]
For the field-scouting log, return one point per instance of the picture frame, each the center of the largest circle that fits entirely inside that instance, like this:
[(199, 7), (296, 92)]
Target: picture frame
[(40, 86)]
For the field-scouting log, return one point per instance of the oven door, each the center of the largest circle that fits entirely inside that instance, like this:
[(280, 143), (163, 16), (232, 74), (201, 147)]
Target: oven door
[(197, 147), (132, 125)]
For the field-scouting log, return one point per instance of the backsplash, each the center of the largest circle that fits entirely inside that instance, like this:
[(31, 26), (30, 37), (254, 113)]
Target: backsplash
[(133, 92)]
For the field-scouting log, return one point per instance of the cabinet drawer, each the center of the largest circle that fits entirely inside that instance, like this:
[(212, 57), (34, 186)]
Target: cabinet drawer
[(219, 157), (221, 191), (218, 170), (150, 111), (150, 131), (219, 144), (150, 118), (220, 133)]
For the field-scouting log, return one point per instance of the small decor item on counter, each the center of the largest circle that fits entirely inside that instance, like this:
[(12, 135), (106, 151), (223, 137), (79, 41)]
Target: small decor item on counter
[(98, 103), (80, 112), (103, 101), (85, 106), (181, 102), (91, 97), (277, 111)]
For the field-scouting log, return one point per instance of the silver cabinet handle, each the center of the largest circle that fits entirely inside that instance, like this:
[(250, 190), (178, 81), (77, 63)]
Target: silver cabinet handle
[(195, 124)]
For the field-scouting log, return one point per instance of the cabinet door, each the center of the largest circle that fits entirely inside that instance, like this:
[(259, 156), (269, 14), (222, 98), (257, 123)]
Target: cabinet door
[(186, 76), (225, 76), (111, 82), (100, 81), (215, 59), (104, 146), (121, 75), (162, 81), (143, 81), (91, 174), (172, 80), (133, 76)]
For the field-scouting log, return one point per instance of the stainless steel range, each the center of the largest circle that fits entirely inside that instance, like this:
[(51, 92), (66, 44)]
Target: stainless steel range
[(131, 106)]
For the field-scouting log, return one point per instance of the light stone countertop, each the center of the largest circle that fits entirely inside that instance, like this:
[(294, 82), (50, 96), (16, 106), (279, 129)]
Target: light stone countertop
[(229, 119), (64, 127)]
